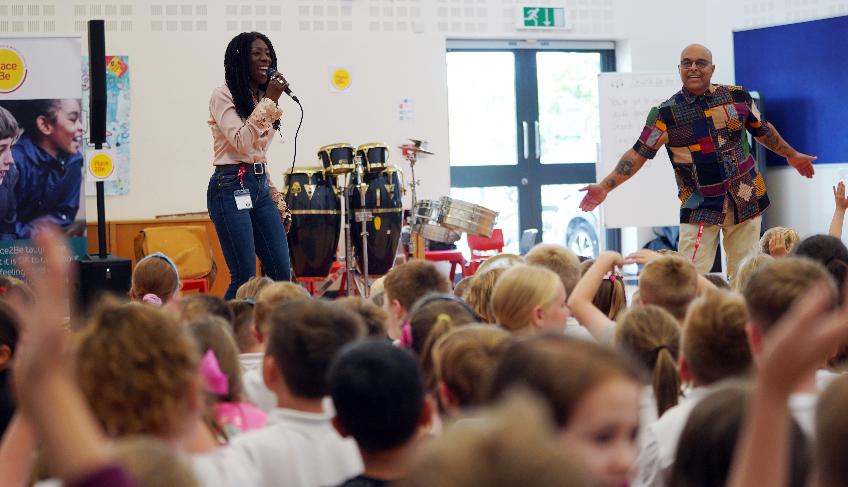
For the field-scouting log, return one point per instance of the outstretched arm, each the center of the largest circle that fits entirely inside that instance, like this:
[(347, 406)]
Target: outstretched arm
[(773, 141), (627, 166)]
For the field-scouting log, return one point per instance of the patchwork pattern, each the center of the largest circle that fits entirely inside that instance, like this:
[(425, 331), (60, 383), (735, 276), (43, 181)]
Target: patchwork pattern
[(716, 177), (680, 135)]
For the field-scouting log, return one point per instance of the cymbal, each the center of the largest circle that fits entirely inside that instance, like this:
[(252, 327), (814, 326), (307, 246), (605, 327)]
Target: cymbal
[(415, 149)]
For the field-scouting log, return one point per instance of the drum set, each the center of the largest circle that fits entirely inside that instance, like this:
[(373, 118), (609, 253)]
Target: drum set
[(356, 189)]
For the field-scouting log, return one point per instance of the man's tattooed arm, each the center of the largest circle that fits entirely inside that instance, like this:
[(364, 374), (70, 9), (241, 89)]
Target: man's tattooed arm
[(627, 166), (774, 142)]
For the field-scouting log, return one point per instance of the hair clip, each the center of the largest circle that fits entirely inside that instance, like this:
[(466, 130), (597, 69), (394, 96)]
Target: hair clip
[(406, 336), (215, 381), (153, 299)]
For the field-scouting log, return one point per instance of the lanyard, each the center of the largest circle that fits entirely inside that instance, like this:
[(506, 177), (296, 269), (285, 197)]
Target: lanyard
[(241, 172), (698, 240)]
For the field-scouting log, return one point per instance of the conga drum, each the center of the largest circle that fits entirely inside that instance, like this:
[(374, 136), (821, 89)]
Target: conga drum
[(374, 156), (316, 220), (337, 158), (383, 200)]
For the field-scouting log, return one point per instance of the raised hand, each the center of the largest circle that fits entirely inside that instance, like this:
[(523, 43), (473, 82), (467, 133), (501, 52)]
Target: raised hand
[(803, 163), (839, 196), (595, 195)]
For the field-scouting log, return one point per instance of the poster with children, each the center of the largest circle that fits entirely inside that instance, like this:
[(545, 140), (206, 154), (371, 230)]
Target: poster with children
[(41, 144), (117, 121)]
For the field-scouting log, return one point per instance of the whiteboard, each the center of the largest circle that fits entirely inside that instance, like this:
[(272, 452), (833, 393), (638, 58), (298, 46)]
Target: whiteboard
[(649, 198)]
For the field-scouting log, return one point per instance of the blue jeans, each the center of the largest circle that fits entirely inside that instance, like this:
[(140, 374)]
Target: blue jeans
[(244, 234)]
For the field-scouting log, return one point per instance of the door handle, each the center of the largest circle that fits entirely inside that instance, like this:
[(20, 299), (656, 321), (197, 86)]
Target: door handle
[(526, 140), (538, 140)]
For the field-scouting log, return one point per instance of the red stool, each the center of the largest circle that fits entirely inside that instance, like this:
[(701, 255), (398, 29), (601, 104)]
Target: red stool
[(482, 248), (455, 257), (199, 285)]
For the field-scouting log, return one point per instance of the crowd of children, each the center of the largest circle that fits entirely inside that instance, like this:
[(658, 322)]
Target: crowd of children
[(534, 371)]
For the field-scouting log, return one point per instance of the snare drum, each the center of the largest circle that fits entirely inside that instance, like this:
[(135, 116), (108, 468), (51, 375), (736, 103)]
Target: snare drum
[(425, 222), (467, 217), (316, 220), (337, 158), (375, 156), (383, 200)]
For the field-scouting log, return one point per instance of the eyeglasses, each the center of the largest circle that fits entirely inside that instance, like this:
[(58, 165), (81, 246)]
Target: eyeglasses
[(700, 63)]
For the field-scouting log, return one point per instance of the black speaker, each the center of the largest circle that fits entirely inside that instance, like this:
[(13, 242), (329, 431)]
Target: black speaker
[(97, 79), (97, 276)]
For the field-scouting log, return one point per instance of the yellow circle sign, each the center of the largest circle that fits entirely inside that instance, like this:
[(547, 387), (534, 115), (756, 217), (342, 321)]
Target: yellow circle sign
[(12, 70), (101, 166), (341, 79)]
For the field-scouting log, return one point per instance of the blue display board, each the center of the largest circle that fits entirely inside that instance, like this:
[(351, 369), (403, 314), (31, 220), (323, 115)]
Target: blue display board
[(800, 70)]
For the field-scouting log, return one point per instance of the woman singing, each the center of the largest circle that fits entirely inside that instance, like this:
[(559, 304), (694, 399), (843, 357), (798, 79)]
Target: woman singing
[(241, 197)]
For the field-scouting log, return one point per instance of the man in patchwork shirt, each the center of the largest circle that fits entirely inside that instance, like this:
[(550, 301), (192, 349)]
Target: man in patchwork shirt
[(703, 128)]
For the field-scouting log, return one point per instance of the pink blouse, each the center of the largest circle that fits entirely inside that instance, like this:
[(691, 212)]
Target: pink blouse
[(235, 139)]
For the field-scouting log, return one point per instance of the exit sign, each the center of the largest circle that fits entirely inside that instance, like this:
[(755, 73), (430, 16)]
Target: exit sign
[(542, 18)]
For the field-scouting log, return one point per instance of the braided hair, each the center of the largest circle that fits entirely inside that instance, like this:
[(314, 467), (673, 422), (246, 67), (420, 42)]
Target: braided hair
[(237, 71)]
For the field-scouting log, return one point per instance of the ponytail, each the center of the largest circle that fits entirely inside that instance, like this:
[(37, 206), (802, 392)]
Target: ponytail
[(444, 323), (665, 380)]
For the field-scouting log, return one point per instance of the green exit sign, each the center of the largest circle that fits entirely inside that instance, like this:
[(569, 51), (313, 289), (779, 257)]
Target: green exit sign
[(542, 18)]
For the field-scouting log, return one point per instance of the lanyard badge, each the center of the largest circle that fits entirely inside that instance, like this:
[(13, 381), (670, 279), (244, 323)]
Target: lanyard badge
[(242, 196)]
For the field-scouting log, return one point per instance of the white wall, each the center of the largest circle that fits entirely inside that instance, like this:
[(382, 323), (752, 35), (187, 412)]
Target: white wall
[(394, 48)]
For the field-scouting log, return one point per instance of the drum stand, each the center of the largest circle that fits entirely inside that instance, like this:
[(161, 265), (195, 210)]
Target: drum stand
[(352, 275), (363, 216), (416, 241)]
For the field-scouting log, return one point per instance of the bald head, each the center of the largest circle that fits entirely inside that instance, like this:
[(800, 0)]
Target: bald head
[(696, 51)]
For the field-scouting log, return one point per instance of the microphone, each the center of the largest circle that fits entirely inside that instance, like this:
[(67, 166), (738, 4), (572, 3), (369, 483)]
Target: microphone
[(271, 72)]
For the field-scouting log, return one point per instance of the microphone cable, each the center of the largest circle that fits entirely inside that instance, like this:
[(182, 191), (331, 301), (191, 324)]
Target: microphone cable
[(294, 156)]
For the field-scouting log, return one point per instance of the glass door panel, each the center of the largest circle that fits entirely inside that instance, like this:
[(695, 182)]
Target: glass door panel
[(481, 108), (569, 120), (565, 223)]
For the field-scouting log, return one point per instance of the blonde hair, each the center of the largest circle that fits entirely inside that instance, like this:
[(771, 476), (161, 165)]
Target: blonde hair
[(137, 366), (714, 342), (790, 239), (748, 267), (652, 335), (519, 291), (479, 293), (464, 357), (771, 290), (252, 287), (153, 463), (270, 297), (462, 286), (502, 260), (670, 282), (559, 259), (517, 436)]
